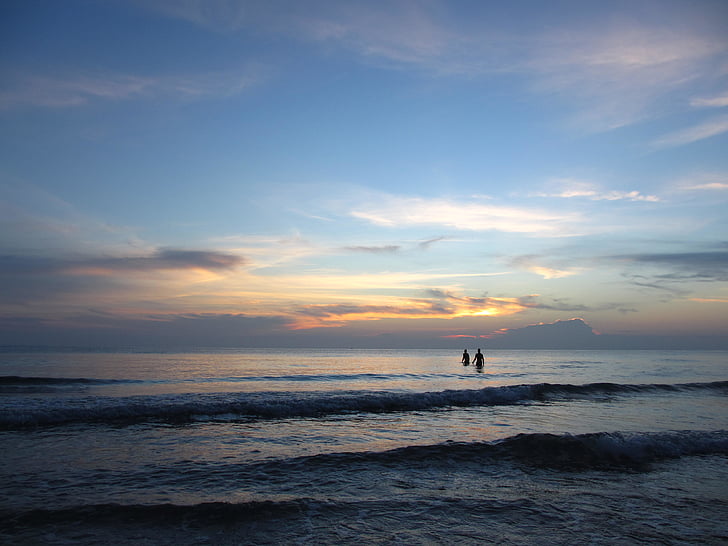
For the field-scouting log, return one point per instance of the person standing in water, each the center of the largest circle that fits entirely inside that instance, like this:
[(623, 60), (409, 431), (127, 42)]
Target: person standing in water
[(466, 358), (479, 359)]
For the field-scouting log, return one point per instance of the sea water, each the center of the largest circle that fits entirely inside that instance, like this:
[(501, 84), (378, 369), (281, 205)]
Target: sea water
[(363, 446)]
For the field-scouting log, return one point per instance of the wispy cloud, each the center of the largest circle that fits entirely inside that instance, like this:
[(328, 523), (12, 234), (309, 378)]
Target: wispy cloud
[(721, 186), (271, 251), (401, 34), (412, 211), (616, 69), (621, 71), (319, 283), (219, 15), (535, 264), (707, 129), (424, 245), (75, 89), (717, 101), (35, 220), (613, 70), (386, 249), (705, 181), (569, 188), (395, 248)]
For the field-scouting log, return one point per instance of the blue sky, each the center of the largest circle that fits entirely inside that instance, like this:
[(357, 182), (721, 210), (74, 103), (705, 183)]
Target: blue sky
[(352, 173)]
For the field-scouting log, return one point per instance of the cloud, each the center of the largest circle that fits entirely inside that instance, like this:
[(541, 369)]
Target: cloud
[(387, 249), (424, 245), (219, 15), (561, 334), (412, 211), (317, 286), (613, 69), (717, 101), (711, 266), (402, 31), (74, 89), (619, 70), (163, 259), (438, 304), (396, 33), (705, 181), (336, 315), (576, 333), (477, 307), (533, 263), (570, 189), (75, 281), (393, 249), (563, 305), (95, 329), (90, 328), (721, 186), (707, 129), (616, 68), (33, 220), (263, 251)]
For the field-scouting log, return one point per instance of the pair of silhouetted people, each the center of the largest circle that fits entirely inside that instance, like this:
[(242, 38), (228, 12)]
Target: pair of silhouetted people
[(478, 359)]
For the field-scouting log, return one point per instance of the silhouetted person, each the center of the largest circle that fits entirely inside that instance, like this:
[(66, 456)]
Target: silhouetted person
[(466, 358), (479, 359)]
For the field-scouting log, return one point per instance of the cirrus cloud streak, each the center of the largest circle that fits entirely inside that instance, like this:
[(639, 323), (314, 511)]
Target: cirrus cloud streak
[(413, 211)]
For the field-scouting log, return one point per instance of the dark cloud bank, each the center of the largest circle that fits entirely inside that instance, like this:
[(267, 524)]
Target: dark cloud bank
[(563, 334), (194, 330), (709, 266), (577, 334), (161, 259)]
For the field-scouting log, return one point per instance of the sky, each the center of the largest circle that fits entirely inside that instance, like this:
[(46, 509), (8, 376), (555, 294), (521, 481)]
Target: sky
[(364, 174)]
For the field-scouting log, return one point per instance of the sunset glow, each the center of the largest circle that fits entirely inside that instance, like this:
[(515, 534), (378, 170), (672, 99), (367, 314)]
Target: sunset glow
[(334, 173)]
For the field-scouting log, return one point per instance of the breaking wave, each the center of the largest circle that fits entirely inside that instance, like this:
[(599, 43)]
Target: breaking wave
[(600, 450), (49, 411)]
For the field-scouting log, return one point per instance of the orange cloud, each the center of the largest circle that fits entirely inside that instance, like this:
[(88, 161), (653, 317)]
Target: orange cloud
[(467, 336), (529, 263), (443, 306)]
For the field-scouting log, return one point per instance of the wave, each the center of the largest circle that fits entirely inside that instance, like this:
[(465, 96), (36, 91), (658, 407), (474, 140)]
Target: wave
[(284, 480), (28, 385), (566, 452), (21, 380), (601, 450), (32, 412), (144, 513)]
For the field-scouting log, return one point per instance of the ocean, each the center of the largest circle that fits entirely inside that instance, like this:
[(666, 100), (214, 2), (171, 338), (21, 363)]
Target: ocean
[(281, 446)]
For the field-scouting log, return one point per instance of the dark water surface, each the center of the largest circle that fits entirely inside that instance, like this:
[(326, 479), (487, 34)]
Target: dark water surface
[(408, 447)]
